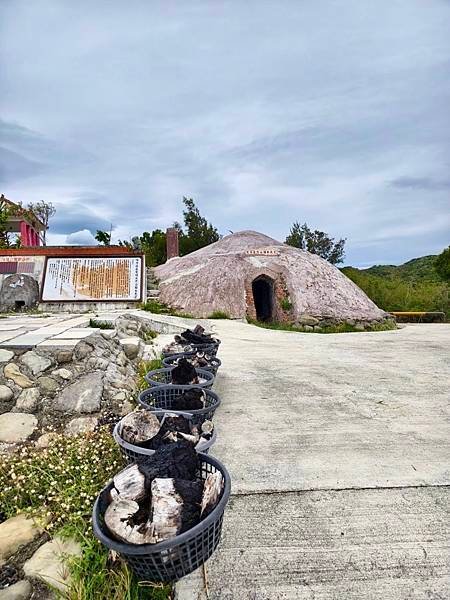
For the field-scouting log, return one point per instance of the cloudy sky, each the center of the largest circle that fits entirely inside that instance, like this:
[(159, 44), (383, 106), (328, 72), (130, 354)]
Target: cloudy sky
[(336, 113)]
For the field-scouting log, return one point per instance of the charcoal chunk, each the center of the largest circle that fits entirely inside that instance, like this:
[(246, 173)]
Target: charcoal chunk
[(178, 460), (191, 492), (188, 400), (184, 373)]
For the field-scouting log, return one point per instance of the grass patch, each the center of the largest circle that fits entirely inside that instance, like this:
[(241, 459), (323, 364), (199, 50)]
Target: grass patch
[(98, 324), (156, 307), (219, 314), (159, 308), (341, 328), (144, 367), (96, 576)]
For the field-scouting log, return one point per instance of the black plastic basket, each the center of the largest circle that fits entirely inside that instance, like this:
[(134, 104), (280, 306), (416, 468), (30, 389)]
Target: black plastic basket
[(131, 452), (160, 398), (163, 377), (172, 360), (172, 559)]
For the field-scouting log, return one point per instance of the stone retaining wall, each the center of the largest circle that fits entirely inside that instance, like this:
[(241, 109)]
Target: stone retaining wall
[(54, 388)]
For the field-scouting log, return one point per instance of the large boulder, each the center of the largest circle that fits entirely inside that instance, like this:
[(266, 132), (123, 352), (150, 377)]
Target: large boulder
[(18, 292), (12, 371), (18, 591), (81, 425), (35, 362), (16, 427), (5, 355), (16, 532), (28, 401), (6, 393), (131, 346), (48, 563), (81, 396)]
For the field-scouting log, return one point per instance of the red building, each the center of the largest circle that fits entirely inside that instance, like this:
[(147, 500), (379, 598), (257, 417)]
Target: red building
[(23, 222)]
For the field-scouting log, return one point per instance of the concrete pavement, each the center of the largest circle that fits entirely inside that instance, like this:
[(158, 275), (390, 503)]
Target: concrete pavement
[(338, 446)]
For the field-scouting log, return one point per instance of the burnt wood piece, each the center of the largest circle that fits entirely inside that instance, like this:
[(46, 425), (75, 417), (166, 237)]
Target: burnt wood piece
[(176, 423), (175, 506), (193, 338), (139, 426), (184, 373), (167, 506), (119, 520), (130, 483), (173, 424), (212, 491)]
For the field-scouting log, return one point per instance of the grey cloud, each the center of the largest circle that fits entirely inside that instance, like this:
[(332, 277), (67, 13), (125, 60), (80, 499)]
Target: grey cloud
[(420, 183), (79, 216), (14, 166)]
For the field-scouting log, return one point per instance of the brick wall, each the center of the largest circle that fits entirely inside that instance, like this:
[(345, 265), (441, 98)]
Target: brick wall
[(280, 293)]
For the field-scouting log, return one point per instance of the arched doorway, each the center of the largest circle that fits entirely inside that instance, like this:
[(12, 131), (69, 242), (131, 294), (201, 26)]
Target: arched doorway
[(262, 289)]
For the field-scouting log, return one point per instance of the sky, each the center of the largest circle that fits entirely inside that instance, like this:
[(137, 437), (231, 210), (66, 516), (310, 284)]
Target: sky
[(336, 113)]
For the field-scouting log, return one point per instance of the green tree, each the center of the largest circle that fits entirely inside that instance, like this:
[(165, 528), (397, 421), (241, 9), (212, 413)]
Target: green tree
[(154, 246), (198, 232), (316, 242), (442, 264), (391, 293), (8, 239), (103, 238), (44, 211)]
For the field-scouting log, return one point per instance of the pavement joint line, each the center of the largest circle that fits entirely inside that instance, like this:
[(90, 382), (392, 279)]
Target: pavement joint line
[(344, 489)]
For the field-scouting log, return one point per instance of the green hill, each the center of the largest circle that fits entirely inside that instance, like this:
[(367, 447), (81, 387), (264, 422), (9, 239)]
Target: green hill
[(415, 285), (417, 269)]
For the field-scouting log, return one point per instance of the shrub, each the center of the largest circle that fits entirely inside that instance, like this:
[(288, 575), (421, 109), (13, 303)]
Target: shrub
[(442, 264), (155, 307), (286, 304), (395, 294), (97, 324), (219, 314), (58, 484), (148, 335)]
